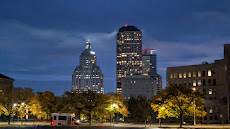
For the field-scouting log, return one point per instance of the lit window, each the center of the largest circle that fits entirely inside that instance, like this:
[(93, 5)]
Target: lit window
[(211, 110), (180, 75), (209, 73), (194, 74), (210, 91), (134, 81), (199, 83), (194, 82), (189, 74), (199, 74), (175, 75), (171, 75), (184, 75)]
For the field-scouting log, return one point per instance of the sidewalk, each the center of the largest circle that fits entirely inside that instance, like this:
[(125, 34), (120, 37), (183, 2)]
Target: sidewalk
[(4, 124), (154, 125)]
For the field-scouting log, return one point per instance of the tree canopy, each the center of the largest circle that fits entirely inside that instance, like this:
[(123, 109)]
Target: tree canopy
[(178, 101), (139, 109)]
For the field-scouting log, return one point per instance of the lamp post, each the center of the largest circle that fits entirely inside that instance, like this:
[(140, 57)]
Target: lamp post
[(14, 105), (194, 102), (160, 118), (112, 106), (22, 105)]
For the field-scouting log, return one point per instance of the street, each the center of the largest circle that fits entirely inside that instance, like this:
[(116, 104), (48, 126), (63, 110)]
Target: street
[(46, 125)]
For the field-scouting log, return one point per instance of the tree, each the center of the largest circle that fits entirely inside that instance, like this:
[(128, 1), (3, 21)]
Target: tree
[(6, 102), (139, 109), (22, 94), (178, 101), (11, 96), (49, 103), (115, 105), (36, 108), (73, 102), (91, 101)]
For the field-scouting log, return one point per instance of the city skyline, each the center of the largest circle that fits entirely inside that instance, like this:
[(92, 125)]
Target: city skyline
[(40, 43)]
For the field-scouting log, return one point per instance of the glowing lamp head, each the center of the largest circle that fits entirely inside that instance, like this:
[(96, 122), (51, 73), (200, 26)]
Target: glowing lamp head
[(15, 105), (23, 103), (114, 105), (194, 89), (125, 25)]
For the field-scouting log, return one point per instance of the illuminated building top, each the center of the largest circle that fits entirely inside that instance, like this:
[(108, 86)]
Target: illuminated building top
[(128, 28), (88, 76)]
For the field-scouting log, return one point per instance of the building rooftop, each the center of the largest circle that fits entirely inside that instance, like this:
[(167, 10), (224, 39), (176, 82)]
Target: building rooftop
[(217, 62), (5, 77), (128, 28)]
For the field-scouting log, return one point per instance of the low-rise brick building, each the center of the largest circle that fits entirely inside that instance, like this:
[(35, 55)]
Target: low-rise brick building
[(211, 79)]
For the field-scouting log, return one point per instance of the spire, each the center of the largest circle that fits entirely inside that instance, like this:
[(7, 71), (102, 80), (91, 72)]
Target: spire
[(87, 45)]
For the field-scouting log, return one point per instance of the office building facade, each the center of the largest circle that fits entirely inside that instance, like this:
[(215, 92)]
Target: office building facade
[(211, 79), (149, 61), (128, 53), (88, 76), (140, 85)]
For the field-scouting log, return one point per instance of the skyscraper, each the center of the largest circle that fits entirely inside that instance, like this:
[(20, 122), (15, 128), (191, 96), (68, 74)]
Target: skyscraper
[(88, 76), (129, 53), (149, 63)]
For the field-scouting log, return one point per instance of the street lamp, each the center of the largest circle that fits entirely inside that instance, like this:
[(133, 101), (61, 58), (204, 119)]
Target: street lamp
[(15, 105), (112, 106), (162, 108), (22, 105), (194, 102)]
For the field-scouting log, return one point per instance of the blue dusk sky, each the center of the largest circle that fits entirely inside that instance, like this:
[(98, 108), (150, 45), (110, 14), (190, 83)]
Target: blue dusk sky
[(41, 40)]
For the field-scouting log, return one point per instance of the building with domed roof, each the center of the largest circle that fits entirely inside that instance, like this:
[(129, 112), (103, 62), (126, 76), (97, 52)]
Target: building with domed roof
[(88, 76)]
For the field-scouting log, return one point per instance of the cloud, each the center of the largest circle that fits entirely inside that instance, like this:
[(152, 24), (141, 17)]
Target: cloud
[(171, 54), (34, 51), (40, 56)]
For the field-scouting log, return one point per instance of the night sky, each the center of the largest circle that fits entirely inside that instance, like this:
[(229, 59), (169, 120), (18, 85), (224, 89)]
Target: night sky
[(41, 40)]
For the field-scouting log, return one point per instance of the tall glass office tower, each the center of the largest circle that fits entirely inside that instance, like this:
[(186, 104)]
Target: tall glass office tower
[(88, 76), (129, 53)]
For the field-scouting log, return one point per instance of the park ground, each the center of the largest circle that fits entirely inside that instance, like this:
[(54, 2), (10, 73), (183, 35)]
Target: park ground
[(130, 125)]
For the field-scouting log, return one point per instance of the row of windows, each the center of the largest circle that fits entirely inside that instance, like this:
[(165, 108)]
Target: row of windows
[(60, 118), (5, 82), (192, 74), (210, 91), (211, 118), (195, 82), (210, 109)]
